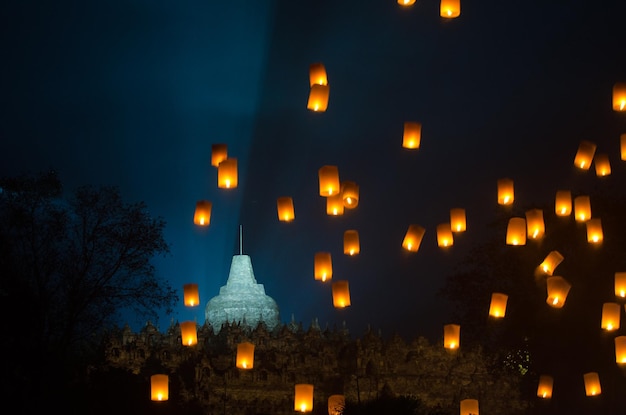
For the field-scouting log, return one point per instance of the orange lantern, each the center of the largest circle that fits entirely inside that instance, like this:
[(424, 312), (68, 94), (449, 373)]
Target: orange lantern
[(505, 192), (404, 3), (444, 235), (336, 404), (619, 96), (188, 333), (620, 350), (245, 355), (191, 295), (582, 208), (603, 165), (219, 153), (622, 146), (550, 262), (412, 135), (557, 288), (159, 388), (584, 154), (535, 226), (620, 284), (450, 8), (610, 316), (594, 231), (202, 215), (341, 294), (303, 400), (351, 244), (563, 203), (329, 180), (284, 208), (318, 98), (334, 205), (413, 238), (451, 336), (317, 74), (323, 266), (350, 194), (227, 174), (592, 384), (516, 231), (544, 389), (497, 307), (458, 220)]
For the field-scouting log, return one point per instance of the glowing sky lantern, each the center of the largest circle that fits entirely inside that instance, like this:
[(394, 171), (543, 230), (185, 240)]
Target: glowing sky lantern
[(594, 231), (336, 404), (351, 242), (285, 209), (334, 205), (317, 74), (610, 316), (584, 154), (202, 214), (603, 165), (563, 203), (620, 350), (159, 387), (622, 147), (450, 8), (329, 183), (544, 388), (188, 333), (592, 384), (412, 136), (227, 177), (619, 96), (516, 231), (458, 220), (341, 293), (582, 208), (406, 2), (451, 336), (469, 407), (191, 295), (245, 355), (551, 261), (219, 153), (506, 193), (318, 98), (497, 307), (557, 288), (350, 194), (620, 284), (535, 225), (323, 266), (303, 399), (444, 235), (413, 238)]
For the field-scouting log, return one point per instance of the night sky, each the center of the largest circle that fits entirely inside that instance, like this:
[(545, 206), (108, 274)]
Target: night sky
[(134, 93)]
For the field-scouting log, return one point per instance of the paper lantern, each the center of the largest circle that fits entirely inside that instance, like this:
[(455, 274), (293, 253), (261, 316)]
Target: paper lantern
[(594, 231), (219, 153), (610, 316), (620, 284), (584, 154), (412, 136), (497, 308), (406, 2), (202, 215), (334, 205), (413, 238), (622, 146), (159, 388), (544, 389), (450, 8), (188, 333), (563, 203), (227, 174), (191, 295), (451, 336), (350, 194), (317, 74), (582, 208), (592, 384), (303, 400), (323, 266), (620, 350), (535, 226), (603, 165), (469, 407), (245, 355), (516, 231), (328, 177), (284, 208), (458, 221), (506, 193), (318, 98), (551, 261), (619, 96), (444, 235), (351, 244), (341, 294), (336, 404), (557, 288)]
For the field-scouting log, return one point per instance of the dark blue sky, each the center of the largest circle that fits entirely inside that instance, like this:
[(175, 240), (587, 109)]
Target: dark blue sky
[(134, 93)]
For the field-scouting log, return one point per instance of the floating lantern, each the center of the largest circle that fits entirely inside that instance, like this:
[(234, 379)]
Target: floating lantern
[(469, 407), (350, 194), (336, 404), (619, 96), (318, 98), (317, 74), (622, 146), (497, 308), (202, 215), (341, 294), (584, 154), (535, 226), (603, 165), (505, 192), (544, 389), (323, 266), (284, 208), (450, 8), (594, 231), (620, 284), (444, 235), (550, 262), (620, 350), (412, 136), (516, 231), (451, 336), (404, 3), (334, 205), (458, 221), (592, 384), (351, 244), (563, 203), (557, 288), (413, 238), (610, 316), (159, 388), (219, 153), (191, 295), (188, 333), (303, 400), (245, 355), (227, 174), (582, 208), (329, 180)]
